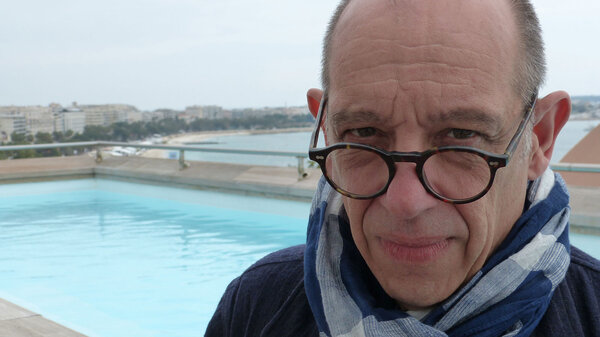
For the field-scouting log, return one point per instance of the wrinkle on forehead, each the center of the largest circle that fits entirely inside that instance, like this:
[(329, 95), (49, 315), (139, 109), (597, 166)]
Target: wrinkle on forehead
[(372, 33), (378, 59), (365, 45)]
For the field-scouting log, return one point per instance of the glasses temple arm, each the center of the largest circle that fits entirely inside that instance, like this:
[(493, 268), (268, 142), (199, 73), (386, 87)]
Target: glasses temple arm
[(315, 134), (514, 142)]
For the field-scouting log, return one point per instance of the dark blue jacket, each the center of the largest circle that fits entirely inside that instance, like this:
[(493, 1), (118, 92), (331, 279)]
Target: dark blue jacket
[(268, 299)]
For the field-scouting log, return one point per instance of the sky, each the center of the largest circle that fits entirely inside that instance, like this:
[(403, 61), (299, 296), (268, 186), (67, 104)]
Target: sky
[(233, 53)]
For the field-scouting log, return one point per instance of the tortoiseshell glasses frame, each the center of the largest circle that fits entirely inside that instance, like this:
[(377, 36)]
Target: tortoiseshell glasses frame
[(494, 161)]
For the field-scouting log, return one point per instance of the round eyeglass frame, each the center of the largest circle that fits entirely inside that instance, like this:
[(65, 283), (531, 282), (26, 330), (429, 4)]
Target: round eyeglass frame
[(494, 161)]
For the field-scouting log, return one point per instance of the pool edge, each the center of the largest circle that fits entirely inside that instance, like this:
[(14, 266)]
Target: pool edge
[(269, 181), (16, 321)]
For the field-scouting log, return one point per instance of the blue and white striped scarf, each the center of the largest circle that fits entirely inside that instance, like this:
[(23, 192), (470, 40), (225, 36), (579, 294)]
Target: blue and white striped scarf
[(507, 297)]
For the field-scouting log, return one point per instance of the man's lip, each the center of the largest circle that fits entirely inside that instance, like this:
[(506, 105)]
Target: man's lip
[(417, 250)]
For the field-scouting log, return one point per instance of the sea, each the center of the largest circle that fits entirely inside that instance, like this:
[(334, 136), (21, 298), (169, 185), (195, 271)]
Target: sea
[(571, 134)]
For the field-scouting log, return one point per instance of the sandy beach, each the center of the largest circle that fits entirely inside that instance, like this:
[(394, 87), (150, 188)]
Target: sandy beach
[(186, 138), (197, 137)]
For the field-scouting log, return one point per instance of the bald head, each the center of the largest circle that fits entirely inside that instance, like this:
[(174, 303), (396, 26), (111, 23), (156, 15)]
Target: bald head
[(418, 19)]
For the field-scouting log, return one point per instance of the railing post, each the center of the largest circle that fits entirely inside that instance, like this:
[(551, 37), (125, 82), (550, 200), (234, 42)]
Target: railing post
[(301, 172), (98, 154), (182, 163)]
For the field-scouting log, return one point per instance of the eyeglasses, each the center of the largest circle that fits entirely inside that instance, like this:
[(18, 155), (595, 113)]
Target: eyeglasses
[(454, 174)]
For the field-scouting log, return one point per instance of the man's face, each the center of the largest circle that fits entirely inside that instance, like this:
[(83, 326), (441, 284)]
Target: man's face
[(409, 77)]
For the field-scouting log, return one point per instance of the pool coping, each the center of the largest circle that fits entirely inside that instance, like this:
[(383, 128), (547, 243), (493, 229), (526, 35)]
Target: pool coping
[(16, 321), (270, 181)]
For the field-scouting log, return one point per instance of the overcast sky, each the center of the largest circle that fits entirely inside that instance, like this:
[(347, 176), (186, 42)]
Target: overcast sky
[(234, 53)]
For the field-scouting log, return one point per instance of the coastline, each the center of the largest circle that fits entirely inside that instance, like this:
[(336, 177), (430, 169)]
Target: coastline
[(202, 136)]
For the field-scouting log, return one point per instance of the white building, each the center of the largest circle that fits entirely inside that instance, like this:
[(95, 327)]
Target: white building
[(106, 114), (40, 119), (70, 119), (10, 123)]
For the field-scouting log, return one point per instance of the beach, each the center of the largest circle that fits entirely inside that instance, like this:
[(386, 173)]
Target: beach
[(200, 137)]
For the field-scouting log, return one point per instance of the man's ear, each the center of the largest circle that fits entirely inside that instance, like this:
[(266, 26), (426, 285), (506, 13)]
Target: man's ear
[(314, 96), (551, 114)]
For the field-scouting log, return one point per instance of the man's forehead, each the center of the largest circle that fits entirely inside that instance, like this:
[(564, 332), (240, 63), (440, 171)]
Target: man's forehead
[(482, 33), (414, 52)]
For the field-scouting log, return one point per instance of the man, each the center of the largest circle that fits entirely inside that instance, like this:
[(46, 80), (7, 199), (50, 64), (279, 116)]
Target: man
[(438, 214)]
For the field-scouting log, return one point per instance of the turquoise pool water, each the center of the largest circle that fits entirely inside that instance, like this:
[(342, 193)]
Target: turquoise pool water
[(588, 243), (113, 259)]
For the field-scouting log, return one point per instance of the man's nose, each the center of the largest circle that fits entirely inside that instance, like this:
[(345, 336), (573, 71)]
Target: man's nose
[(406, 197)]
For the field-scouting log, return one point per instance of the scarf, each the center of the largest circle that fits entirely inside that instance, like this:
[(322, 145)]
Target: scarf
[(507, 297)]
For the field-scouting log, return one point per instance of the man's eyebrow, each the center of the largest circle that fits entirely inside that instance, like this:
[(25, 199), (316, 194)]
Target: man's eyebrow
[(487, 120), (350, 117)]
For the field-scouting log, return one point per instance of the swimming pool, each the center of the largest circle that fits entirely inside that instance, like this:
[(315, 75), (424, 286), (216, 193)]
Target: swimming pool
[(116, 259), (110, 258)]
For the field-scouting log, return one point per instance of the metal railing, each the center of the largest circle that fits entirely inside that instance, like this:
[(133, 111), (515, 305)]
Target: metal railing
[(98, 145), (300, 156), (576, 167)]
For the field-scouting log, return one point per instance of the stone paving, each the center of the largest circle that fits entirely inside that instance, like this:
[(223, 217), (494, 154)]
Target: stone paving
[(18, 322)]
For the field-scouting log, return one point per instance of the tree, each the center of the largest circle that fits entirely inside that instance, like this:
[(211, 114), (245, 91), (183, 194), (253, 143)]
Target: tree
[(21, 139), (121, 131), (96, 132), (45, 138), (58, 136), (18, 138)]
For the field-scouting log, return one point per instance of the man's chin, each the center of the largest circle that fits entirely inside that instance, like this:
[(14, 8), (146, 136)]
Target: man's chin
[(418, 276), (418, 300)]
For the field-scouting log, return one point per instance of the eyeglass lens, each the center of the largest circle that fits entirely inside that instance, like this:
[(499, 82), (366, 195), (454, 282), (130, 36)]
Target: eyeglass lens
[(455, 175)]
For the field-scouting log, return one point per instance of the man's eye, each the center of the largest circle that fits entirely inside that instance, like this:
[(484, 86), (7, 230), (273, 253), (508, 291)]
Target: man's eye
[(461, 134), (363, 132)]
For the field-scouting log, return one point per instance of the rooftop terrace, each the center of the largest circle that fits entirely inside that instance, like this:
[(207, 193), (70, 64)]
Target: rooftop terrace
[(280, 182)]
